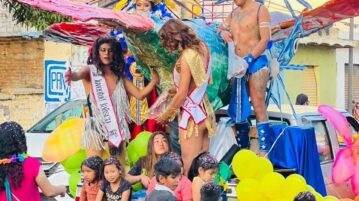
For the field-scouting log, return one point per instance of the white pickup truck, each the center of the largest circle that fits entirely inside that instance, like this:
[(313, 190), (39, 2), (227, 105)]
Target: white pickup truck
[(326, 137), (36, 137)]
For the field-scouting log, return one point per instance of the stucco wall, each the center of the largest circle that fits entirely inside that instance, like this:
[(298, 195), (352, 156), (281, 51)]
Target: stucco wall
[(324, 60), (342, 59)]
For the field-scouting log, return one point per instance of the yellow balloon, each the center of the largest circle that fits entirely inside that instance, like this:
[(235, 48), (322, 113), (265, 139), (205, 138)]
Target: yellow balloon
[(330, 198), (318, 197), (310, 188), (265, 167), (272, 185), (294, 184), (282, 199), (64, 141), (245, 164), (297, 177), (248, 190)]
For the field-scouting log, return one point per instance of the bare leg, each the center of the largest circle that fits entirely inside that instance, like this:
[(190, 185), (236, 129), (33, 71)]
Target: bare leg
[(257, 91), (205, 144), (192, 146)]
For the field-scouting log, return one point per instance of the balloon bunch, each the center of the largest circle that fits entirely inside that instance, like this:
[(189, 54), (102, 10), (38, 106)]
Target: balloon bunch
[(346, 164), (258, 181), (64, 145)]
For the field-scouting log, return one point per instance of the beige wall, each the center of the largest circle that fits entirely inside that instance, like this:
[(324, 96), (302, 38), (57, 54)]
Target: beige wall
[(21, 63), (21, 80), (324, 61), (22, 76), (57, 51)]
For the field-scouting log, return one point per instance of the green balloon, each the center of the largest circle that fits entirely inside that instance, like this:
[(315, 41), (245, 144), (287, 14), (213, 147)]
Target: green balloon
[(132, 154), (137, 186), (137, 148), (73, 181), (141, 142), (73, 163)]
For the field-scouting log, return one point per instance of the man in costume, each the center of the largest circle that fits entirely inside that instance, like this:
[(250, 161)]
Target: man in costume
[(248, 26)]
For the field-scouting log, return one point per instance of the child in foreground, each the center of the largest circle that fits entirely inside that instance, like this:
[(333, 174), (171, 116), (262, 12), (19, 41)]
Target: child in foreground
[(167, 175), (90, 169), (211, 191), (183, 191), (115, 187), (203, 169)]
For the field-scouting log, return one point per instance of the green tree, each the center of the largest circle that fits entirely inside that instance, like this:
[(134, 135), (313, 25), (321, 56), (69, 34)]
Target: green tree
[(32, 17)]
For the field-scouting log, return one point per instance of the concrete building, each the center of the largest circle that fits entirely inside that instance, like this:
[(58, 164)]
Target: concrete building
[(323, 80), (23, 53)]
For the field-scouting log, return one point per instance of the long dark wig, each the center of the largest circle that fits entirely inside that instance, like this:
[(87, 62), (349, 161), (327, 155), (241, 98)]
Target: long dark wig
[(12, 141), (118, 63)]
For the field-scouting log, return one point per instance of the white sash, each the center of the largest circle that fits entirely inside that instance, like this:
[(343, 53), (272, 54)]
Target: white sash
[(190, 106), (103, 102)]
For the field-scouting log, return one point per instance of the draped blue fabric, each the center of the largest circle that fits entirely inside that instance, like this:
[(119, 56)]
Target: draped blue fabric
[(239, 107), (297, 148)]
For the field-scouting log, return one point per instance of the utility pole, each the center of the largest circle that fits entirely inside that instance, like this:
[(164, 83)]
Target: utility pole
[(350, 67)]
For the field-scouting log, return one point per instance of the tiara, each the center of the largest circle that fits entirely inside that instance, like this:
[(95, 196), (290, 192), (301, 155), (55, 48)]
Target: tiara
[(14, 158), (207, 161)]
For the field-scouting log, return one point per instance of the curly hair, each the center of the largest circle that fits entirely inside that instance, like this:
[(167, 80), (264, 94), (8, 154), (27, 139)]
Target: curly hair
[(175, 35), (12, 141), (117, 65), (149, 161)]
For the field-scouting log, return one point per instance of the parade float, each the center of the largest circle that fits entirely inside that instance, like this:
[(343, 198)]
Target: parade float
[(142, 38)]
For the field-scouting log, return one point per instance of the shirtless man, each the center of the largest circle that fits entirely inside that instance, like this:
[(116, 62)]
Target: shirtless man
[(248, 26)]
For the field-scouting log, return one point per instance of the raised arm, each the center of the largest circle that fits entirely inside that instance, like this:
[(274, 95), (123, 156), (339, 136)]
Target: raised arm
[(141, 93), (82, 74), (264, 32)]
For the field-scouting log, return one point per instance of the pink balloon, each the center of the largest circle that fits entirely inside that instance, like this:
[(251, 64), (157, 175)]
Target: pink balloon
[(339, 122), (355, 177), (343, 167)]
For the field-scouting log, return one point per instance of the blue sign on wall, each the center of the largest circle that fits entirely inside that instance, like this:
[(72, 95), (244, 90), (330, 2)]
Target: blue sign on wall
[(56, 90)]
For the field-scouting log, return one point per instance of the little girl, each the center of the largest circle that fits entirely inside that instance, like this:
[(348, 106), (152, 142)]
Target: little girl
[(114, 187), (203, 169), (90, 169)]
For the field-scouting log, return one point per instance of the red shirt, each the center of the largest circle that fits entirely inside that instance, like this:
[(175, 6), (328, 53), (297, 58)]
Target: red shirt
[(89, 192)]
